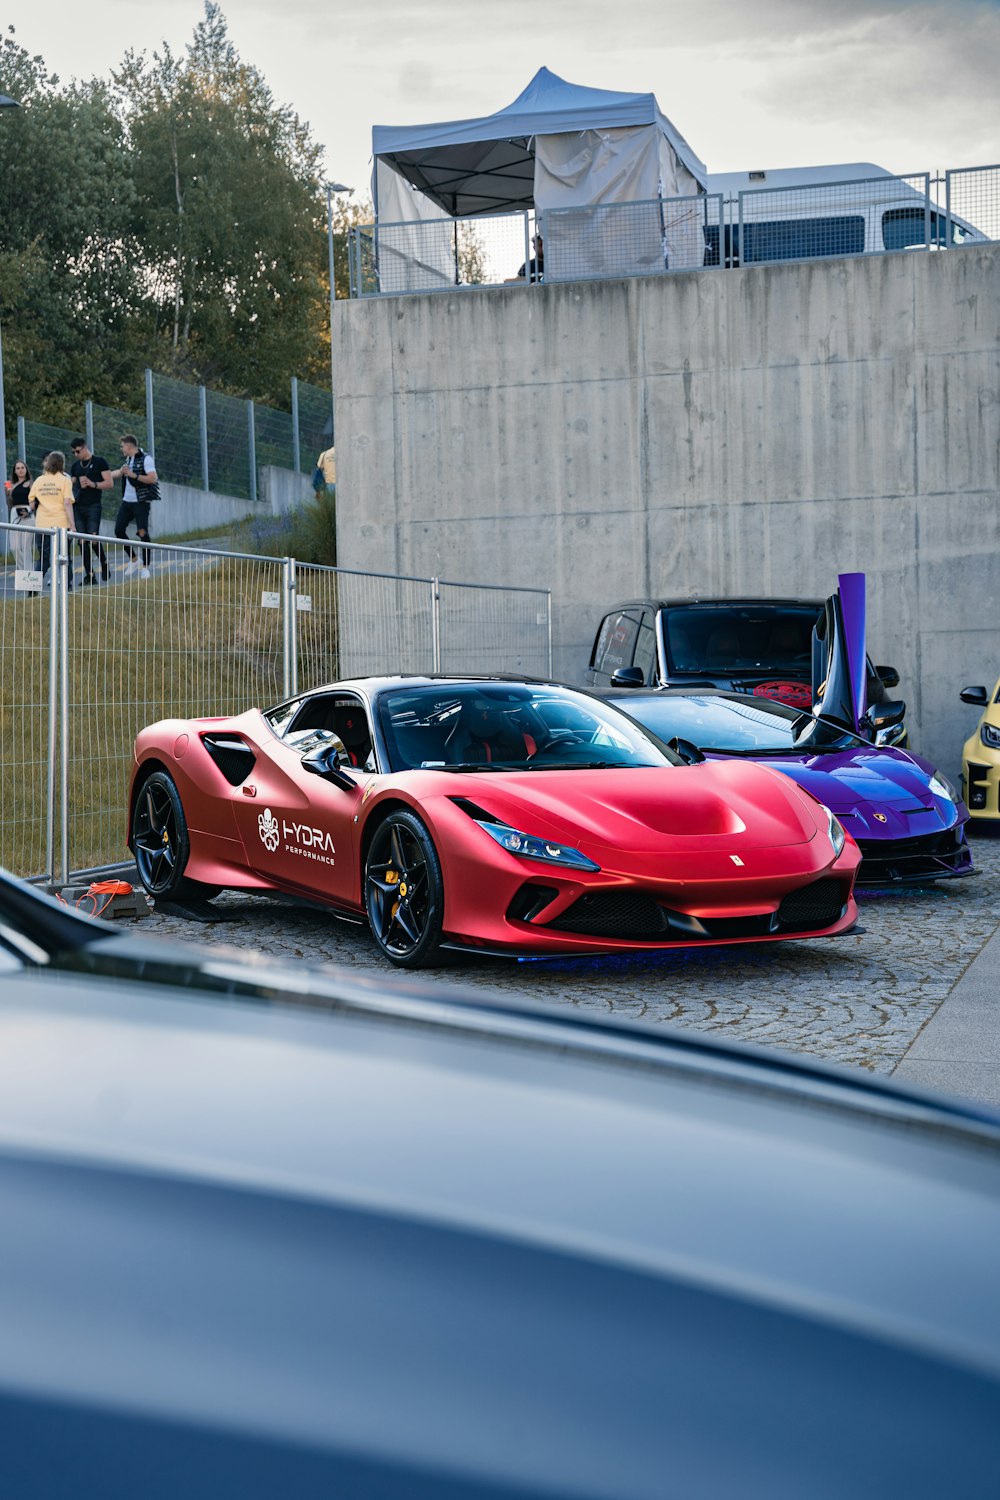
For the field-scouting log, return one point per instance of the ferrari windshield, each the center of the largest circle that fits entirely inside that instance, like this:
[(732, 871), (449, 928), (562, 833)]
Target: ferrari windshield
[(493, 726), (740, 637), (738, 725)]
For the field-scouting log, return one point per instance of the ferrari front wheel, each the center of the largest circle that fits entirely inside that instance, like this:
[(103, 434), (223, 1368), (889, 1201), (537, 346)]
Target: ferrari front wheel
[(404, 891), (160, 841)]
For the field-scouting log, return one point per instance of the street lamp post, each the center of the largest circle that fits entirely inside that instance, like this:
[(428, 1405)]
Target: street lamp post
[(331, 188), (5, 103)]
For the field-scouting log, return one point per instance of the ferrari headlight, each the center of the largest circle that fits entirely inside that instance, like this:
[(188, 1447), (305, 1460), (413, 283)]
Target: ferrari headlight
[(990, 736), (526, 846), (835, 829), (942, 787)]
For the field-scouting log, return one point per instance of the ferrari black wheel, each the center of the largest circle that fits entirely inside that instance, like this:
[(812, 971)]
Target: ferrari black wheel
[(160, 842), (404, 892)]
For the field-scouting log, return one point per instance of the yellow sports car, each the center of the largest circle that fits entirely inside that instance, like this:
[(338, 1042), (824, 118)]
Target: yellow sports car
[(981, 756)]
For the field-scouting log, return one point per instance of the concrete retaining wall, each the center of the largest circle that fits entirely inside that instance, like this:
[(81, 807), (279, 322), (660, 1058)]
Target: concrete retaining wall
[(751, 432), (184, 509)]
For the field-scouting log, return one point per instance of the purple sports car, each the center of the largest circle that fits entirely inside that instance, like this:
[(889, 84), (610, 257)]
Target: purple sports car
[(906, 817)]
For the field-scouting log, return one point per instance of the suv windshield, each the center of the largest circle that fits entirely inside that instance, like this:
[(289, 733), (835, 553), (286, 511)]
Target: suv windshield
[(494, 726), (740, 637), (738, 725)]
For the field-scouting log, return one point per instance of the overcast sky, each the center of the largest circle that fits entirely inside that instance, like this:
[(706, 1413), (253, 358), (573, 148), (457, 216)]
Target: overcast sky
[(773, 83)]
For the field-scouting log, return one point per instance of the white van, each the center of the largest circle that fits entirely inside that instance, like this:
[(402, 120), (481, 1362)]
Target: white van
[(801, 213)]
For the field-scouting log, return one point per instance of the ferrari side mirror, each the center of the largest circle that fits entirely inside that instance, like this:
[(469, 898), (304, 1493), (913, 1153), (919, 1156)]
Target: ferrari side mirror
[(327, 761), (631, 677), (889, 676), (688, 752), (977, 696)]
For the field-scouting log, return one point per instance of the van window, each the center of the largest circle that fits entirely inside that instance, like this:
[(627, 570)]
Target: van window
[(803, 239), (903, 229)]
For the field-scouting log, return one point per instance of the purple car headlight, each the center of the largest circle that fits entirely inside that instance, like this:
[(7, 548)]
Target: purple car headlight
[(942, 787), (526, 846)]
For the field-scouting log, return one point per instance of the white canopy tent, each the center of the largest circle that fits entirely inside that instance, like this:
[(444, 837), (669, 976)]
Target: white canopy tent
[(559, 146)]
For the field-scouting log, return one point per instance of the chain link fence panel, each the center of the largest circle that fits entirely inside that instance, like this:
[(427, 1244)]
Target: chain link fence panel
[(110, 426), (630, 239)]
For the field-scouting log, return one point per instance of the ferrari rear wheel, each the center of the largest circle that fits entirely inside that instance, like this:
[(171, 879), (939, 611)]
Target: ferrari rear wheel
[(404, 891), (161, 844)]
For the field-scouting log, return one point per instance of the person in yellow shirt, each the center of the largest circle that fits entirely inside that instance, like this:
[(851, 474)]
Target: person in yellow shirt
[(326, 466), (51, 499)]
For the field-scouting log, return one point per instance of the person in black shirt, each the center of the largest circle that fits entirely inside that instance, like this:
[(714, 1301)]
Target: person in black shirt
[(91, 476)]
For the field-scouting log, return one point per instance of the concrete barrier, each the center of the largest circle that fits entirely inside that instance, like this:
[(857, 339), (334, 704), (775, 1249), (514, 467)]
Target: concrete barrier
[(754, 432), (185, 509)]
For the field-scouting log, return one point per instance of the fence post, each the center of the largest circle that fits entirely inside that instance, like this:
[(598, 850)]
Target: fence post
[(927, 211), (150, 428), (88, 423), (527, 248), (947, 208), (252, 451), (60, 565), (203, 427), (22, 440), (290, 629), (435, 626), (548, 624), (296, 451), (55, 679)]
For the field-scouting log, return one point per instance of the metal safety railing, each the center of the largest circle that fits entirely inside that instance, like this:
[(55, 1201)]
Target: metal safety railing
[(83, 667), (807, 221)]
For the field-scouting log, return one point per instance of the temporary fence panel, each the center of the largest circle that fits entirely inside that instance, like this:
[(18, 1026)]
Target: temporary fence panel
[(973, 204), (28, 662), (490, 629), (203, 635), (359, 624)]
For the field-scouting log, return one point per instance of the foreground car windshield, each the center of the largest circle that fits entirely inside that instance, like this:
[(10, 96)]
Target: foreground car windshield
[(509, 726), (740, 726), (769, 638)]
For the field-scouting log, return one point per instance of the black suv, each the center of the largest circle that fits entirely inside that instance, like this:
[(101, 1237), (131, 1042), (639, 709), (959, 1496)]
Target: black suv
[(758, 646)]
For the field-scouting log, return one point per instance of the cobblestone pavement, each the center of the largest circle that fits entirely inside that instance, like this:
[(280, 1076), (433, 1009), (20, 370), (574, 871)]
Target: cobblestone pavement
[(859, 1000)]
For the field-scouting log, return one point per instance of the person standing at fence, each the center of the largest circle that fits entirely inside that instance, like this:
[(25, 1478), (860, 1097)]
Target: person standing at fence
[(51, 499), (91, 476), (138, 472), (19, 515)]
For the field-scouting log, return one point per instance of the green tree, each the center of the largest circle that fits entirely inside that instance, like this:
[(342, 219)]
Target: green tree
[(226, 222), (68, 281)]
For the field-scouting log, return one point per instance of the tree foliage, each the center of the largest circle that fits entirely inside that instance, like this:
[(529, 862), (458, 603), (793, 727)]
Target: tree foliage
[(173, 217)]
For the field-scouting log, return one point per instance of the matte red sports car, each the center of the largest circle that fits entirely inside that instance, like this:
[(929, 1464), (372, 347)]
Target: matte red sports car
[(513, 817)]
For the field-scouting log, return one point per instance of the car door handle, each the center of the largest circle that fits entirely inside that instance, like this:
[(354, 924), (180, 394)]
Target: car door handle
[(249, 791)]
